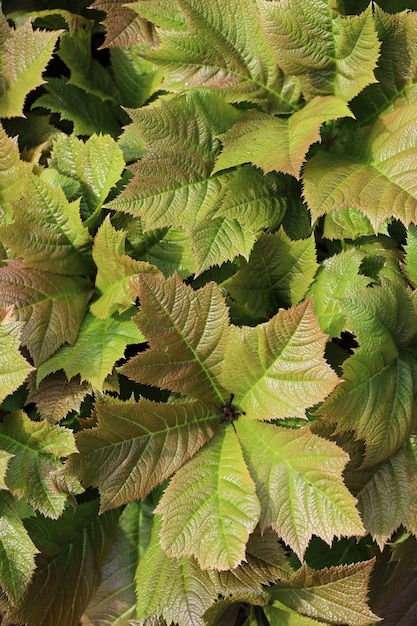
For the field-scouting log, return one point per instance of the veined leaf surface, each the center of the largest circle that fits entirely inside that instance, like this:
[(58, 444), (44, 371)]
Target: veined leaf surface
[(14, 368)]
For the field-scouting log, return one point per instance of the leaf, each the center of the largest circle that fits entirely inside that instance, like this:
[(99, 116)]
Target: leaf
[(220, 217), (388, 499), (136, 446), (279, 614), (17, 551), (115, 271), (55, 396), (299, 483), (278, 274), (13, 171), (100, 343), (348, 223), (336, 594), (224, 48), (411, 254), (277, 143), (337, 278), (24, 54), (277, 369), (56, 241), (189, 359), (14, 368), (51, 306), (210, 507), (376, 397), (136, 78), (4, 461), (95, 165), (329, 53), (375, 173), (124, 28), (37, 449), (163, 13), (72, 551)]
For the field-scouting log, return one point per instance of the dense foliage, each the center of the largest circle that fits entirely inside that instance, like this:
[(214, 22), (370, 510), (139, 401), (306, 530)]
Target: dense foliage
[(208, 314)]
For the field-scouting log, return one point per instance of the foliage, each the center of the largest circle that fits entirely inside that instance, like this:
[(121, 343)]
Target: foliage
[(208, 344)]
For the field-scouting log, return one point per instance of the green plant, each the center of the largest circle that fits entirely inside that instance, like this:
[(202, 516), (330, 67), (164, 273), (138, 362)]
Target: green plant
[(208, 329)]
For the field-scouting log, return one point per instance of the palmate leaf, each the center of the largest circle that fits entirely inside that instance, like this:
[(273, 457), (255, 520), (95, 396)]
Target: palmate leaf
[(51, 306), (221, 218), (194, 326), (136, 446), (14, 369), (330, 54), (211, 516), (376, 173), (376, 398), (279, 144), (24, 54), (335, 594), (17, 551), (225, 48), (99, 344), (72, 551), (37, 449)]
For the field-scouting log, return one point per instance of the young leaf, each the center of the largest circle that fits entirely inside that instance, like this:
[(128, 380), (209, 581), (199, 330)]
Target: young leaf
[(37, 449), (284, 462), (136, 446), (72, 551), (277, 369), (24, 54), (51, 306), (220, 217), (330, 54), (17, 551), (115, 271), (124, 27), (210, 507), (278, 274), (376, 397), (335, 594), (100, 343), (274, 143), (375, 174), (225, 48), (14, 369), (189, 359), (55, 397), (56, 241)]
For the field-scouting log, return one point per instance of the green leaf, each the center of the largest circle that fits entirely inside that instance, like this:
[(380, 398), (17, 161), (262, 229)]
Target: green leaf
[(277, 369), (376, 397), (13, 171), (17, 551), (51, 306), (299, 483), (411, 254), (153, 439), (347, 223), (335, 594), (279, 144), (137, 79), (57, 241), (375, 174), (72, 551), (163, 13), (95, 165), (220, 217), (280, 615), (124, 27), (330, 54), (14, 369), (37, 449), (210, 507), (24, 54), (388, 499), (337, 279), (100, 343), (278, 274), (225, 48), (115, 271), (189, 359)]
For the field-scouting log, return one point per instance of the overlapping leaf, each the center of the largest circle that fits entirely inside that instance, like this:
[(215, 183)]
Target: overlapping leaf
[(51, 306), (14, 368), (56, 396), (37, 449), (124, 27), (13, 171), (136, 446), (375, 173), (220, 220), (329, 53)]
